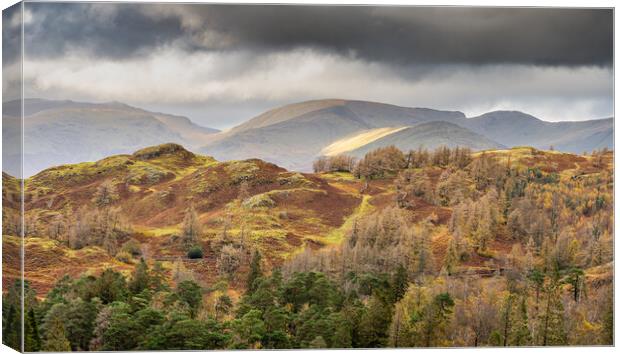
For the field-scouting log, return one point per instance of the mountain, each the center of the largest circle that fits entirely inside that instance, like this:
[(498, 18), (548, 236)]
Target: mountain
[(429, 135), (281, 211), (513, 128), (60, 132), (293, 136)]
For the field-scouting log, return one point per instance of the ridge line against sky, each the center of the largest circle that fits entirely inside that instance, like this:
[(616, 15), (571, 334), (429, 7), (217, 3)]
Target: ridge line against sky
[(170, 113), (220, 64)]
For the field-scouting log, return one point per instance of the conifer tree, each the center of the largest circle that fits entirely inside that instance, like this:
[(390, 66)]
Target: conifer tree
[(55, 337), (140, 279), (32, 339), (520, 334), (255, 272), (551, 328)]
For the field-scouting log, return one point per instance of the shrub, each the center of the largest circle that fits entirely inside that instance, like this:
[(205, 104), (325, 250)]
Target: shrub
[(132, 246), (195, 252), (259, 201), (124, 257)]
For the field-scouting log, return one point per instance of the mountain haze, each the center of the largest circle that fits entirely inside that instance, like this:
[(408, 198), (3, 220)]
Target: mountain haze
[(294, 135), (514, 128), (60, 132)]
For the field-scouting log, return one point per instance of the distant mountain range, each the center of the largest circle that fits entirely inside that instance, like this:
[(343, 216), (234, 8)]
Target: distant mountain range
[(61, 132), (292, 136)]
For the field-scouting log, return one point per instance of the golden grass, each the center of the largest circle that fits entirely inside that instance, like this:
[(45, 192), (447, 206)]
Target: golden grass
[(353, 142)]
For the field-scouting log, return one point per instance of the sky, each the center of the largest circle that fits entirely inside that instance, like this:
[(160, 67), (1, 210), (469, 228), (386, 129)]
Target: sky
[(223, 64)]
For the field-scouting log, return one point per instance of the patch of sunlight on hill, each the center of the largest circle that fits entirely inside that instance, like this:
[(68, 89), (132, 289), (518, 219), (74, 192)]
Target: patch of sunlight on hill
[(353, 142)]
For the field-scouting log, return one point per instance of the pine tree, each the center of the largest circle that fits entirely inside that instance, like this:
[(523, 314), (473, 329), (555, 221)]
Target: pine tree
[(255, 272), (520, 334), (32, 339), (140, 279), (399, 283), (506, 318), (575, 279), (55, 337), (11, 328), (552, 317)]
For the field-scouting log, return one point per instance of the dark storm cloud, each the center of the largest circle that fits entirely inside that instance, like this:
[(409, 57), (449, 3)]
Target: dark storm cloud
[(101, 30), (11, 33), (397, 35)]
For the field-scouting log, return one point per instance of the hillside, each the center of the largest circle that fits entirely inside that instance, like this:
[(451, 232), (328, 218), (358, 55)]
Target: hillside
[(429, 135), (156, 186), (294, 135), (53, 129), (164, 230)]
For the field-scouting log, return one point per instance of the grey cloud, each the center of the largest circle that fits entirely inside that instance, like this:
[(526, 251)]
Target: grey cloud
[(396, 35), (101, 30)]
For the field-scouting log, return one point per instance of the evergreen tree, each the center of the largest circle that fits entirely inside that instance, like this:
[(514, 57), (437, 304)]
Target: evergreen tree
[(190, 293), (435, 318), (520, 334), (55, 337), (506, 318), (399, 283), (11, 328), (575, 278), (255, 272), (32, 339), (552, 317), (140, 279)]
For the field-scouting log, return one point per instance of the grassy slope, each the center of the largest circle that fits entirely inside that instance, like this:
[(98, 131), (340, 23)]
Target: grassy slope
[(156, 186), (358, 140)]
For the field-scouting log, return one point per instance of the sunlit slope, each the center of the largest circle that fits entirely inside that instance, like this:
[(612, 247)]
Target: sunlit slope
[(358, 140)]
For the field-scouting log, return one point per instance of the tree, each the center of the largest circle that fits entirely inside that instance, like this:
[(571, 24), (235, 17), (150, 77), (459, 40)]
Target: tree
[(375, 322), (575, 279), (191, 228), (255, 272), (436, 317), (520, 334), (248, 330), (506, 317), (110, 286), (190, 293), (11, 327), (399, 283), (537, 278), (123, 331), (79, 318), (552, 318), (32, 339), (223, 306), (195, 252), (140, 279), (229, 260), (106, 194), (55, 338), (451, 261)]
